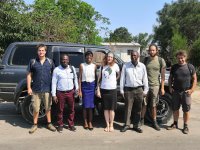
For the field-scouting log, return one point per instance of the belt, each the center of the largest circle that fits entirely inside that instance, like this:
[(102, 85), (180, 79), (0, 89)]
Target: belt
[(66, 91), (133, 88)]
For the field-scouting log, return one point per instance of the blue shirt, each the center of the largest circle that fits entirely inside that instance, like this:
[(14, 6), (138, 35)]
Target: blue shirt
[(64, 79), (41, 75)]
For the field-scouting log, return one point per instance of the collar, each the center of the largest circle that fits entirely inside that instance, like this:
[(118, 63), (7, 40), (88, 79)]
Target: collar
[(138, 65)]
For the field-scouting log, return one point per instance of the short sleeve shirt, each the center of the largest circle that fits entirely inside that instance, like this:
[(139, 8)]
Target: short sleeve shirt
[(153, 71), (109, 80), (182, 76), (41, 75)]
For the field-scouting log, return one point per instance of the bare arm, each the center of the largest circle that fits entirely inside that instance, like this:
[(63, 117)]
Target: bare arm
[(80, 79), (29, 79), (163, 81), (194, 83)]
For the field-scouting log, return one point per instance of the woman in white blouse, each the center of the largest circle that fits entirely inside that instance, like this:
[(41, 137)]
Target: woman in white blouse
[(107, 89), (87, 72)]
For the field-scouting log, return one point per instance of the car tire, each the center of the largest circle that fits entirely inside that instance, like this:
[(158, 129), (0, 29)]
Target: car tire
[(164, 110), (27, 111)]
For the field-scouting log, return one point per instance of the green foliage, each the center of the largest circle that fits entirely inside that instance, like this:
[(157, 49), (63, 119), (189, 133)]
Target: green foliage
[(120, 35), (194, 54), (178, 42), (49, 20), (143, 39), (180, 17), (12, 22)]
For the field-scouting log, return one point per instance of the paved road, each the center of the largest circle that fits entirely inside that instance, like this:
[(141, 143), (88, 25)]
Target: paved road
[(14, 134)]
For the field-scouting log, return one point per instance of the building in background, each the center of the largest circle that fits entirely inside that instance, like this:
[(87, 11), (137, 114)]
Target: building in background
[(123, 49)]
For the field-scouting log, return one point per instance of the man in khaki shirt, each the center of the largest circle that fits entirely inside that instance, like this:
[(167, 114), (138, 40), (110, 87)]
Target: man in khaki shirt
[(155, 67)]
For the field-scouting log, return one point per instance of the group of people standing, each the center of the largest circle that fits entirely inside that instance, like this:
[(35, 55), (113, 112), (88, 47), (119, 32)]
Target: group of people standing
[(140, 84)]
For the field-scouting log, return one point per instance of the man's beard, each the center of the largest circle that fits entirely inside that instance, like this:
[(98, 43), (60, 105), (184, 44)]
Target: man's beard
[(64, 65), (152, 55)]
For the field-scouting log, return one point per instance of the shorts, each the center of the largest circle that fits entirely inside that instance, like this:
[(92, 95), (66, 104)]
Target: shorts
[(181, 98), (45, 98), (152, 96)]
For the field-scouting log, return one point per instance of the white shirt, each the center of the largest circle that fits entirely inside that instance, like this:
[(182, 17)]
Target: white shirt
[(109, 80), (64, 79), (132, 76), (88, 73)]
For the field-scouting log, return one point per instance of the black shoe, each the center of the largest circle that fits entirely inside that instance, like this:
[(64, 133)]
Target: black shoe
[(172, 126), (124, 128), (84, 127), (156, 126), (60, 129), (185, 130), (137, 129), (91, 129), (72, 128)]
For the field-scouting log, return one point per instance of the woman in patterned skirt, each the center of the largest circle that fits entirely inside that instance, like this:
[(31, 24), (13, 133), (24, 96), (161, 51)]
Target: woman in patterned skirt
[(87, 72)]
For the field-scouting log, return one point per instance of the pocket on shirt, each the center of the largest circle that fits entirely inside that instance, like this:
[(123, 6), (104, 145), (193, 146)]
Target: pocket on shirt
[(48, 68)]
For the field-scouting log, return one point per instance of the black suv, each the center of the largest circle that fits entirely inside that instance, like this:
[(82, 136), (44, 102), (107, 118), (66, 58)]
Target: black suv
[(13, 73)]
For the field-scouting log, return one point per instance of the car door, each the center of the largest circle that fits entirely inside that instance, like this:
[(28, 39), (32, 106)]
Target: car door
[(14, 70)]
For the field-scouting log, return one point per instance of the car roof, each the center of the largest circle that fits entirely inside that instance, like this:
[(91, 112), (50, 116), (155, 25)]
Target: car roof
[(61, 44)]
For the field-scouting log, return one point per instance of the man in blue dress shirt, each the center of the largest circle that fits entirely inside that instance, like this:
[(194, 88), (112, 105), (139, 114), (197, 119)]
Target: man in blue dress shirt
[(64, 86)]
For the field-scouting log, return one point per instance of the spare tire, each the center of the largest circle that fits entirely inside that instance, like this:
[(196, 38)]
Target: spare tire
[(27, 111), (164, 110)]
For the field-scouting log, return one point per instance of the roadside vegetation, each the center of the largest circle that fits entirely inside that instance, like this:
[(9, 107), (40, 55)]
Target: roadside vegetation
[(49, 20)]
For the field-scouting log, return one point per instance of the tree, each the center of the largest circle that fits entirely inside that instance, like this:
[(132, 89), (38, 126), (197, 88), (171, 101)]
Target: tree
[(143, 39), (178, 42), (12, 22), (194, 54), (180, 17), (67, 20), (50, 20), (120, 35)]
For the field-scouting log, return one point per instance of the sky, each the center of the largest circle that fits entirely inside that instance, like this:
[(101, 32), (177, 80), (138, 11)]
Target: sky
[(138, 16)]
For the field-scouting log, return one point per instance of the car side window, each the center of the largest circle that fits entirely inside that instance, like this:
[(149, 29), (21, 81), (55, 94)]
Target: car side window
[(75, 58), (98, 57), (22, 54)]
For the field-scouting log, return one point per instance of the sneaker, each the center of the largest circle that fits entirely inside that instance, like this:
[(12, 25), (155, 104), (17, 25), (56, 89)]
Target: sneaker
[(72, 128), (172, 126), (51, 127), (185, 130), (60, 129), (156, 126), (33, 129), (137, 129)]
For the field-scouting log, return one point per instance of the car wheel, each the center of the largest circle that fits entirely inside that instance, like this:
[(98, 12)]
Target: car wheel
[(27, 111), (164, 110)]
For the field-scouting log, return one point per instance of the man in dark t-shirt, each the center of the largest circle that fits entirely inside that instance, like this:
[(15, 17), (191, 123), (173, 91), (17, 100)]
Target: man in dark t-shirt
[(39, 75), (182, 82)]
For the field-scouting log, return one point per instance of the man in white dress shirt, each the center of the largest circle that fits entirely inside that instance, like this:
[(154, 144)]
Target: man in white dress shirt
[(133, 87), (64, 86)]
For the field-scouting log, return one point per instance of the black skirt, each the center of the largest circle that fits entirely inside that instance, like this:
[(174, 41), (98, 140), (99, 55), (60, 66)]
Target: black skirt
[(109, 99)]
